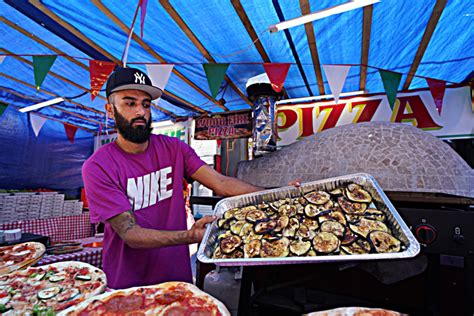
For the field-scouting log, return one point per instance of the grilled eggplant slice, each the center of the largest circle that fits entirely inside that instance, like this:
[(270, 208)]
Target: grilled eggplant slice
[(264, 227), (365, 226), (311, 253), (236, 227), (224, 235), (375, 214), (383, 242), (305, 233), (300, 247), (282, 222), (358, 247), (229, 244), (277, 248), (251, 236), (253, 216), (252, 248), (312, 210), (287, 210), (353, 218), (299, 209), (272, 237), (274, 206), (230, 213), (328, 205), (338, 216), (356, 194), (240, 214), (247, 228), (325, 242), (349, 237), (337, 192), (223, 223), (263, 206), (351, 207), (312, 224), (333, 227), (290, 230), (317, 197)]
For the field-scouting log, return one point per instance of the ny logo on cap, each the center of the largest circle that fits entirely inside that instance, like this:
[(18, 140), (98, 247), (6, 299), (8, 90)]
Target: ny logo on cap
[(139, 78)]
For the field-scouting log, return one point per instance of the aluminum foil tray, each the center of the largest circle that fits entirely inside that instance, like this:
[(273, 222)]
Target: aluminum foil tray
[(399, 229)]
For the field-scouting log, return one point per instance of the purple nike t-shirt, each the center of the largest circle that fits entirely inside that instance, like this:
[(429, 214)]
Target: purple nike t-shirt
[(150, 184)]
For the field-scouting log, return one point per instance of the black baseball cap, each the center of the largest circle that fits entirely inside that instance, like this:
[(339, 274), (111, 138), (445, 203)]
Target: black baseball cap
[(131, 79)]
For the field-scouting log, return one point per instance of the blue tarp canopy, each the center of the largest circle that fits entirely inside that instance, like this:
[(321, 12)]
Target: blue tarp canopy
[(428, 38)]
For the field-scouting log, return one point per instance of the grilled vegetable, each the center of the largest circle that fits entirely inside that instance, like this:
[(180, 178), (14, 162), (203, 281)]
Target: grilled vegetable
[(229, 244), (305, 233), (292, 227), (353, 218), (355, 193), (365, 226), (224, 235), (333, 227), (349, 237), (317, 197), (255, 215), (252, 248), (237, 227), (375, 214), (276, 205), (337, 192), (311, 223), (251, 236), (223, 223), (357, 248), (351, 207), (384, 242), (282, 222), (300, 247), (311, 253), (247, 228), (338, 217), (230, 213), (237, 254), (277, 248), (328, 205), (83, 277), (264, 227), (270, 237), (68, 294), (312, 210), (287, 210), (263, 206), (325, 242)]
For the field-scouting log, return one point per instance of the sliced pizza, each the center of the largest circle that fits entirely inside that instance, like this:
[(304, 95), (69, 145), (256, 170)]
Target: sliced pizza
[(170, 298), (19, 256), (50, 288)]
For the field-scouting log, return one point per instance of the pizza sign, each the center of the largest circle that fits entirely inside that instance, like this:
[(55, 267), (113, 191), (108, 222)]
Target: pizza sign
[(296, 120), (224, 126)]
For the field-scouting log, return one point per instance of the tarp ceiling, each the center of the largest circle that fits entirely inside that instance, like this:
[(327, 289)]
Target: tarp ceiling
[(432, 38)]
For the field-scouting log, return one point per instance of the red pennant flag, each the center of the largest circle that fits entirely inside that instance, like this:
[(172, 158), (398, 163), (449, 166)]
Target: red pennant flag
[(276, 73), (143, 4), (70, 132), (99, 72), (437, 88)]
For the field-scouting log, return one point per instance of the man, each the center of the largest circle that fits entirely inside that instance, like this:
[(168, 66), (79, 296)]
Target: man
[(134, 186)]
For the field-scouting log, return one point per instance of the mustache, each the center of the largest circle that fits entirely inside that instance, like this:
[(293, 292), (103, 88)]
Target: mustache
[(138, 119)]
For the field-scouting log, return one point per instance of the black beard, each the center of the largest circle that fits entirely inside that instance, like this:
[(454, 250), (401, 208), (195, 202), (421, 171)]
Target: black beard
[(138, 134)]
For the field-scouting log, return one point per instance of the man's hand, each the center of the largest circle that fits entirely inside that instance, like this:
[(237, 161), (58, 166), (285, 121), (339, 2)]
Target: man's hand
[(197, 231), (296, 182)]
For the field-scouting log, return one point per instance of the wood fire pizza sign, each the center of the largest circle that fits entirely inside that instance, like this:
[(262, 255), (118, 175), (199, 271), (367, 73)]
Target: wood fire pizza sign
[(224, 126)]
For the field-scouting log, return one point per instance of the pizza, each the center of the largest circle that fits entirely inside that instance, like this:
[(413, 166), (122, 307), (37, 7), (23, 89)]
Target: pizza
[(18, 256), (47, 289), (167, 299)]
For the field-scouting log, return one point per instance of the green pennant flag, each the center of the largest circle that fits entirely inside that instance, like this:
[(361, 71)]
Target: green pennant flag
[(215, 73), (41, 65), (3, 107), (391, 81)]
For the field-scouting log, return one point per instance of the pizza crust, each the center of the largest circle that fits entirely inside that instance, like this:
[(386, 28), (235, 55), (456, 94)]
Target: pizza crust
[(38, 250), (355, 311), (159, 310)]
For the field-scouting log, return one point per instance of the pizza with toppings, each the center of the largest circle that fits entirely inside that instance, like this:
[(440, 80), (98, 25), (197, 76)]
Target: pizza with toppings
[(18, 256), (48, 289), (167, 299)]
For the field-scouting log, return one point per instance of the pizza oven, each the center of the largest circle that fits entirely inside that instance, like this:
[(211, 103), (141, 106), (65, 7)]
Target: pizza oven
[(431, 187)]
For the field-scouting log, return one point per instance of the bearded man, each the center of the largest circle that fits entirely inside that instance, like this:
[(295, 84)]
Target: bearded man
[(134, 187)]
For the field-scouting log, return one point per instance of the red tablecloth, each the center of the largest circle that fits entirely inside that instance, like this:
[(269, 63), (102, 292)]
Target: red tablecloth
[(58, 228), (89, 255)]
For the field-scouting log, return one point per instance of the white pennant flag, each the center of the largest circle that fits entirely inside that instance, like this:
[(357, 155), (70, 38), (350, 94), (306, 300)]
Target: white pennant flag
[(2, 58), (37, 123), (336, 76), (159, 74)]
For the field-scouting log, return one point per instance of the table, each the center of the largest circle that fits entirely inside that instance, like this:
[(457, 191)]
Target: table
[(91, 255), (26, 237)]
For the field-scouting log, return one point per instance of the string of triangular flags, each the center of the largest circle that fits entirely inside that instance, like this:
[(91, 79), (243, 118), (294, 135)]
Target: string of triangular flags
[(215, 74)]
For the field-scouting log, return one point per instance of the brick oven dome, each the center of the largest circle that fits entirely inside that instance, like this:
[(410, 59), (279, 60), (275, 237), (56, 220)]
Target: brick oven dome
[(401, 157)]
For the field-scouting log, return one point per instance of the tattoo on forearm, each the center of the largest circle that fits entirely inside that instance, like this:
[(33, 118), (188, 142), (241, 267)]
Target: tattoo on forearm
[(122, 223)]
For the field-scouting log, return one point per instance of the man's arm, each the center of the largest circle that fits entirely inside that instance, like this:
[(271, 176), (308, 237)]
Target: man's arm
[(223, 185), (135, 236)]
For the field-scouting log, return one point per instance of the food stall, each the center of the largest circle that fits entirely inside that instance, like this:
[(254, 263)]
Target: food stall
[(362, 101)]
